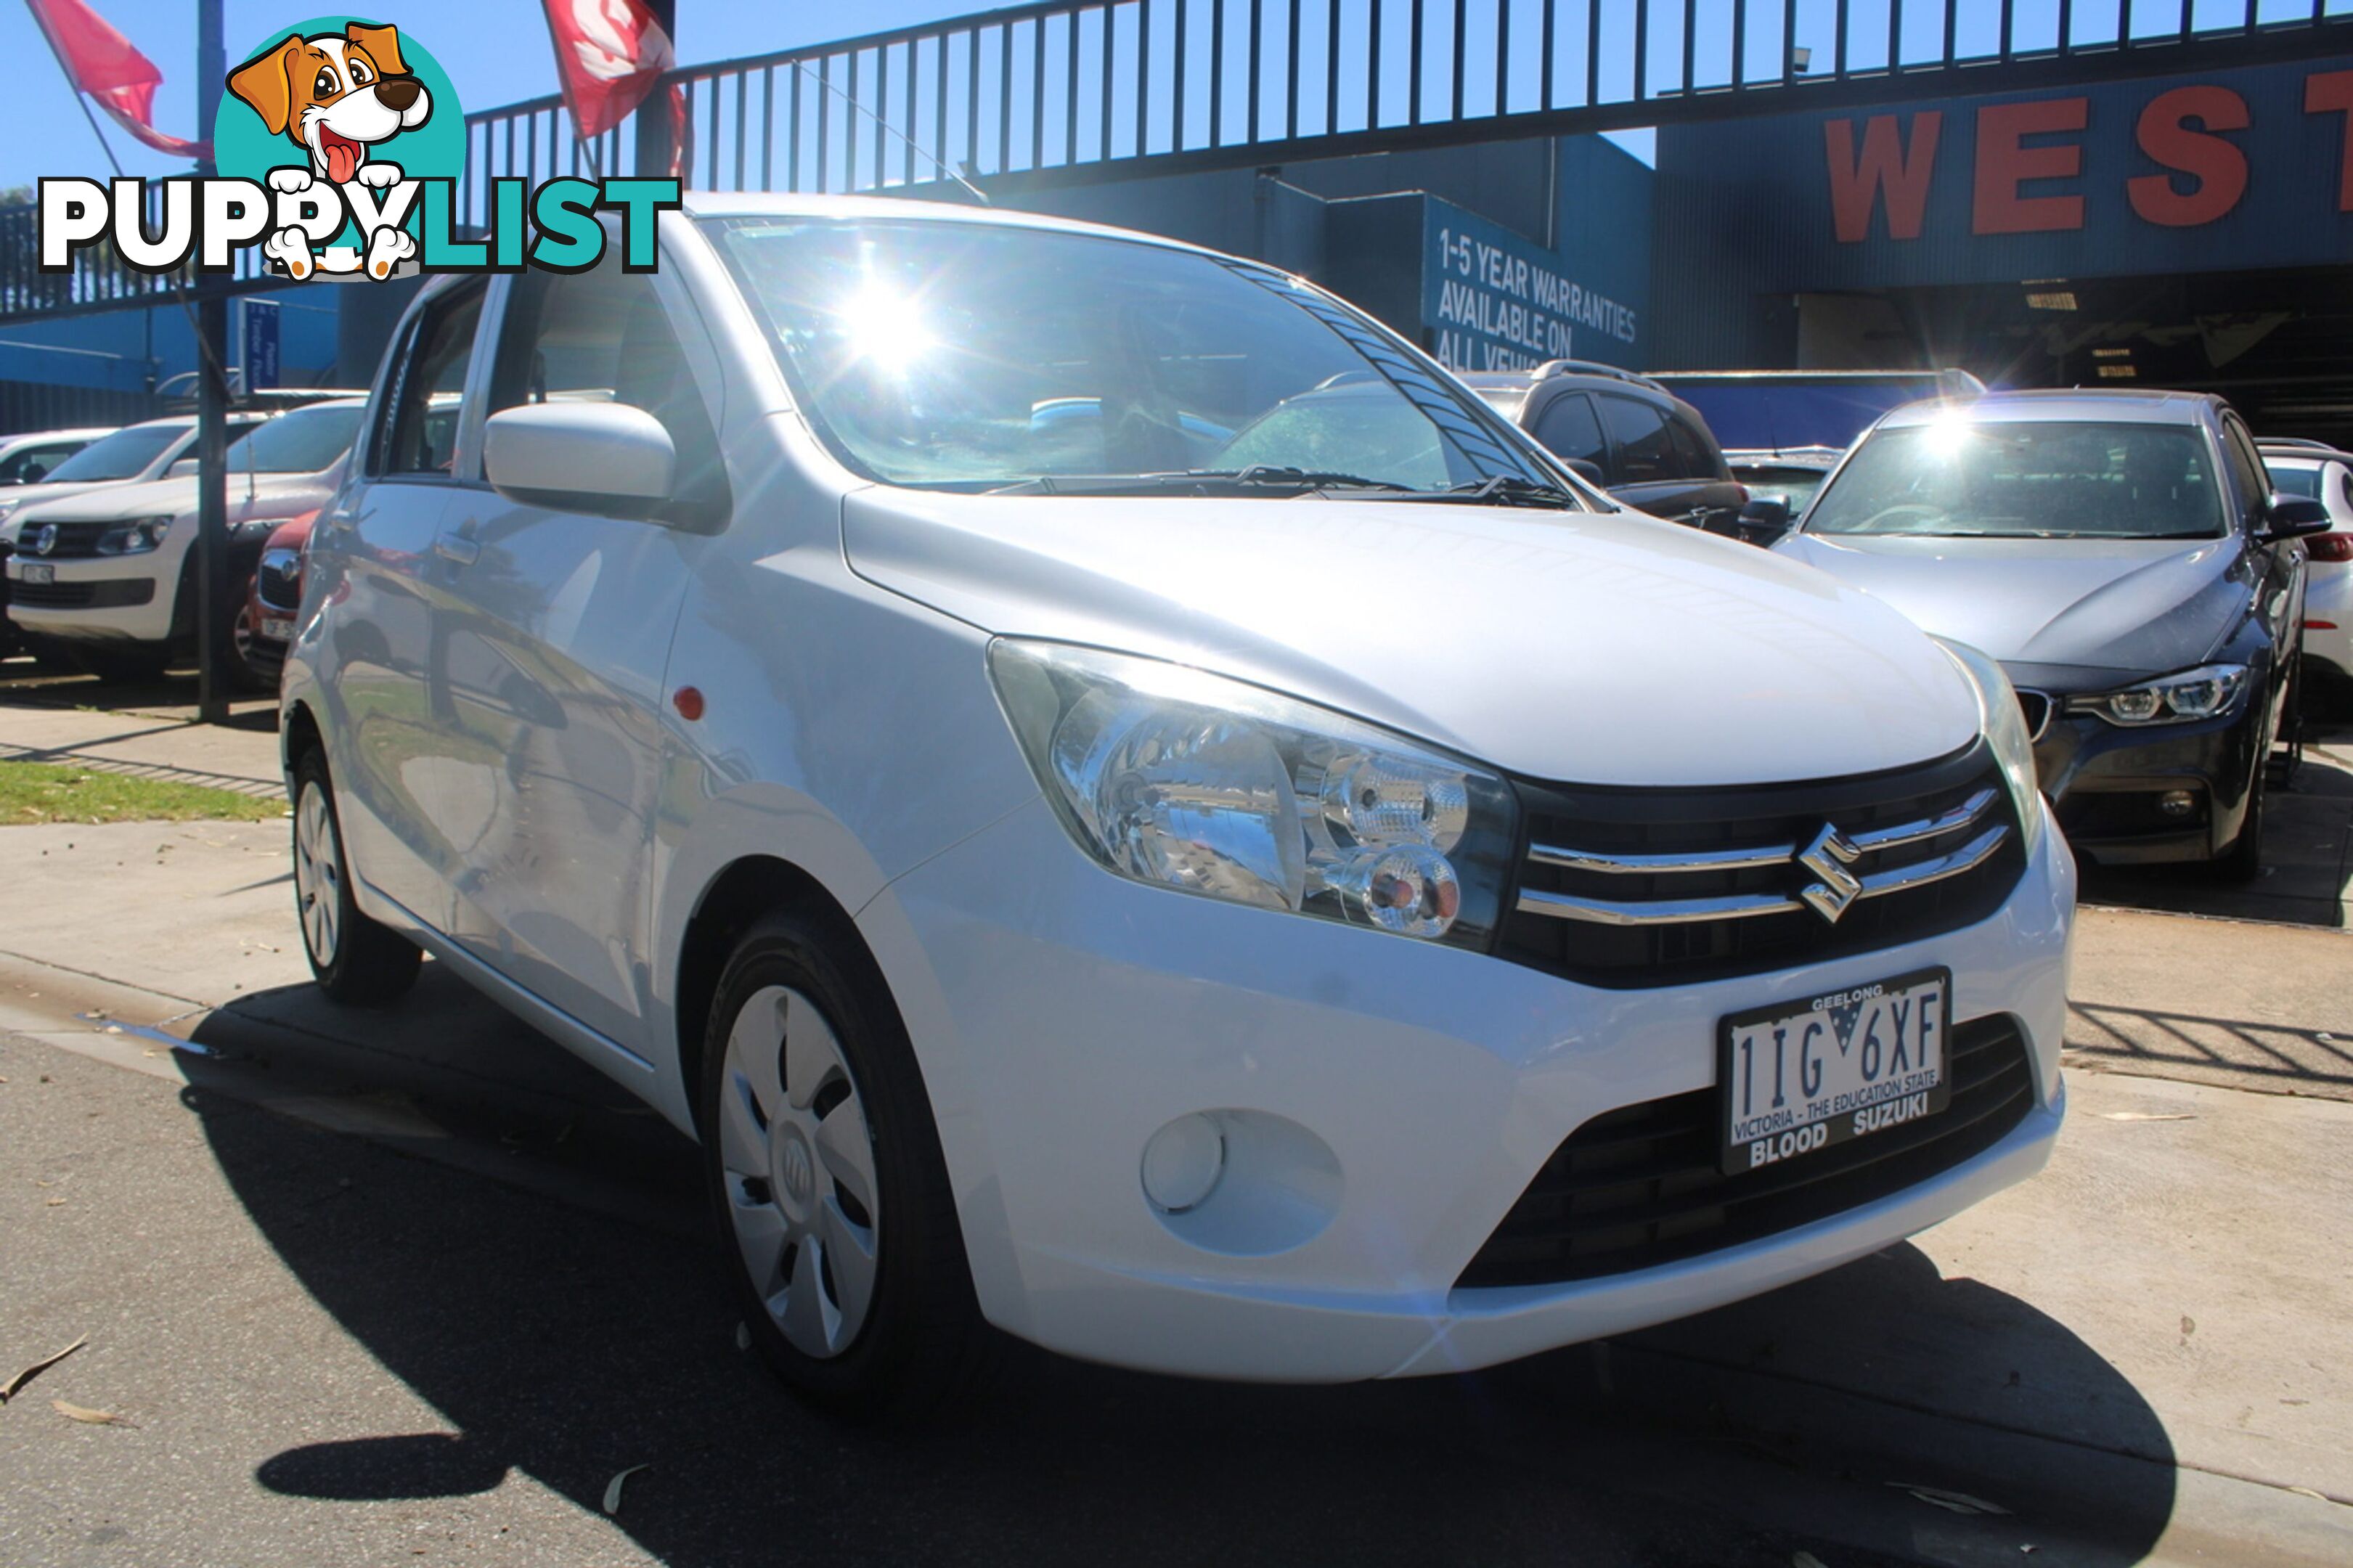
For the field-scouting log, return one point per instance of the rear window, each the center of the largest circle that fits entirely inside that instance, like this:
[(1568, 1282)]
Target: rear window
[(1777, 416), (302, 442), (2304, 482)]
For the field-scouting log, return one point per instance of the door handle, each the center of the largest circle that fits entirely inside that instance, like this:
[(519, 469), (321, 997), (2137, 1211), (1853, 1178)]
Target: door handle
[(457, 547)]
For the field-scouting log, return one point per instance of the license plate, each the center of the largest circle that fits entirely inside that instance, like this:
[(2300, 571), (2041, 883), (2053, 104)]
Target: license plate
[(39, 573), (1846, 1065), (277, 630)]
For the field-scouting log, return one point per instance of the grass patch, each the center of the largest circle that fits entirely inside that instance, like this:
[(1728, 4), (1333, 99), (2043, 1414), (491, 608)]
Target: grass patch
[(44, 792)]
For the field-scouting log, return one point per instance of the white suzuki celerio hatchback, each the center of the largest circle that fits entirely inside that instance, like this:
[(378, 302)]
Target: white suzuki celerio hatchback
[(1116, 800)]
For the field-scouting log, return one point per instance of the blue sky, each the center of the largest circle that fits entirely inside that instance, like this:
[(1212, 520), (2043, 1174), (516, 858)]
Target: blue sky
[(497, 51)]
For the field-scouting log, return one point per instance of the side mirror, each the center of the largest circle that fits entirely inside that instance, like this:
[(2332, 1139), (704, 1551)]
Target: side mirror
[(607, 457), (1765, 519), (1590, 472), (2294, 517), (185, 468)]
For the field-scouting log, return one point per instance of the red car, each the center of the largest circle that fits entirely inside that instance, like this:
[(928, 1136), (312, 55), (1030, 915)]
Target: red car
[(265, 624)]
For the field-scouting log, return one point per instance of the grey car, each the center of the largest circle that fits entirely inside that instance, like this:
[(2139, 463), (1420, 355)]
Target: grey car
[(2125, 556)]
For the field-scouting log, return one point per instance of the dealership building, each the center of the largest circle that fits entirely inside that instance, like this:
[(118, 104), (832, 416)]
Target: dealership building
[(2184, 219)]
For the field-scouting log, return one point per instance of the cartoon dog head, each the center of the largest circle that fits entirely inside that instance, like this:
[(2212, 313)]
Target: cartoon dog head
[(334, 95)]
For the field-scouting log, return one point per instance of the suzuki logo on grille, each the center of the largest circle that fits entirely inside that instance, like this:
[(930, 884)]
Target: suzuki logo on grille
[(46, 540), (1828, 858)]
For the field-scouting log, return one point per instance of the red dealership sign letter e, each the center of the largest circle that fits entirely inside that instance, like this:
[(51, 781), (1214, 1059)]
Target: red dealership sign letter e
[(2004, 162)]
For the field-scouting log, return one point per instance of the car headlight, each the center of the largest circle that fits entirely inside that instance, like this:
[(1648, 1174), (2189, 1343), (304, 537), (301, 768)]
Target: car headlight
[(2005, 730), (2200, 693), (7, 511), (134, 538), (1191, 780)]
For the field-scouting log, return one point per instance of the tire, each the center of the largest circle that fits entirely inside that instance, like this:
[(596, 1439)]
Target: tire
[(243, 636), (2286, 765), (837, 1226), (355, 960), (2244, 861)]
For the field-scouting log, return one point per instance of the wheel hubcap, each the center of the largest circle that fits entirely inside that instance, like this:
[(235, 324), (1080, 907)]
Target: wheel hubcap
[(800, 1166), (318, 875)]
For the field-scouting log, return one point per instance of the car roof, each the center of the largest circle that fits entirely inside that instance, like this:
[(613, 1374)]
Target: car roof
[(84, 433), (2120, 405)]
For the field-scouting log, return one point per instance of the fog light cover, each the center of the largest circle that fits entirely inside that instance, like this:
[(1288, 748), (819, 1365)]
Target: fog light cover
[(1182, 1163)]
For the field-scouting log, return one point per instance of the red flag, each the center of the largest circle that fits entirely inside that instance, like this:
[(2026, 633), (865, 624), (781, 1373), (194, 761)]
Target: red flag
[(100, 61), (609, 54)]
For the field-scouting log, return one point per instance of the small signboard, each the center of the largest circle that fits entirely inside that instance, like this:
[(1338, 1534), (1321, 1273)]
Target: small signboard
[(260, 340)]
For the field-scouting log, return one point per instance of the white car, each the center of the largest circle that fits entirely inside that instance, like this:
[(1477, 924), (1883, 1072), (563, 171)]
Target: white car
[(1377, 910), (132, 455), (2327, 477), (108, 576), (27, 460)]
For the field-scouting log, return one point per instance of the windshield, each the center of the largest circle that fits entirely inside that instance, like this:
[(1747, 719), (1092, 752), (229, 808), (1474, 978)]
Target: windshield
[(1954, 479), (974, 356), (1776, 416), (121, 456), (302, 442)]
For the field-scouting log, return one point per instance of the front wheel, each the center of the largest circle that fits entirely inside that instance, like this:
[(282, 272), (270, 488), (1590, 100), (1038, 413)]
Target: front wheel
[(825, 1174), (2244, 861), (355, 960)]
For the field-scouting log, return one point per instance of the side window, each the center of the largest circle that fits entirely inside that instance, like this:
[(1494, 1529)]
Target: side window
[(1568, 429), (1692, 459), (1645, 450), (602, 336), (31, 465), (2248, 476), (421, 433), (2345, 491)]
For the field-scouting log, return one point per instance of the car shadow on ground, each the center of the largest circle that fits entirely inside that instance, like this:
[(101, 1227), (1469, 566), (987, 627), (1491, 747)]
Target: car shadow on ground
[(559, 1344)]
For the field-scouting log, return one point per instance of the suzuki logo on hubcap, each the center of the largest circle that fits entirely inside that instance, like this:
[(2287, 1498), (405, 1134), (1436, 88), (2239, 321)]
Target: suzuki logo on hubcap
[(796, 1174), (1828, 858)]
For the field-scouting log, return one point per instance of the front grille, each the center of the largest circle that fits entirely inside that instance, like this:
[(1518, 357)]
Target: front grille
[(1639, 1186), (109, 594), (279, 585), (1628, 888), (74, 539)]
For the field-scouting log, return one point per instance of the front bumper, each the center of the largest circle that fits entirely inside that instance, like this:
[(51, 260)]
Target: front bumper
[(1408, 1094), (120, 598), (2107, 781)]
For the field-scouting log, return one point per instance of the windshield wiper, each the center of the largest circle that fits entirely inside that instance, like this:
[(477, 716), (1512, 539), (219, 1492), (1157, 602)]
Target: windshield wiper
[(1511, 490), (1257, 476)]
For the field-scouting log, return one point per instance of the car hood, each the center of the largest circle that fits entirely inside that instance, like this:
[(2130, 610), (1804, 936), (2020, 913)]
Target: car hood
[(254, 496), (2132, 605), (22, 498), (1595, 647)]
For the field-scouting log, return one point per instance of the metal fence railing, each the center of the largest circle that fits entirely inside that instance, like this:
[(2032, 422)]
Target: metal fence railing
[(1080, 90)]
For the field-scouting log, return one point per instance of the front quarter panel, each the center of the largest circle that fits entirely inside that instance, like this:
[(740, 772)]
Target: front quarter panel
[(846, 731)]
